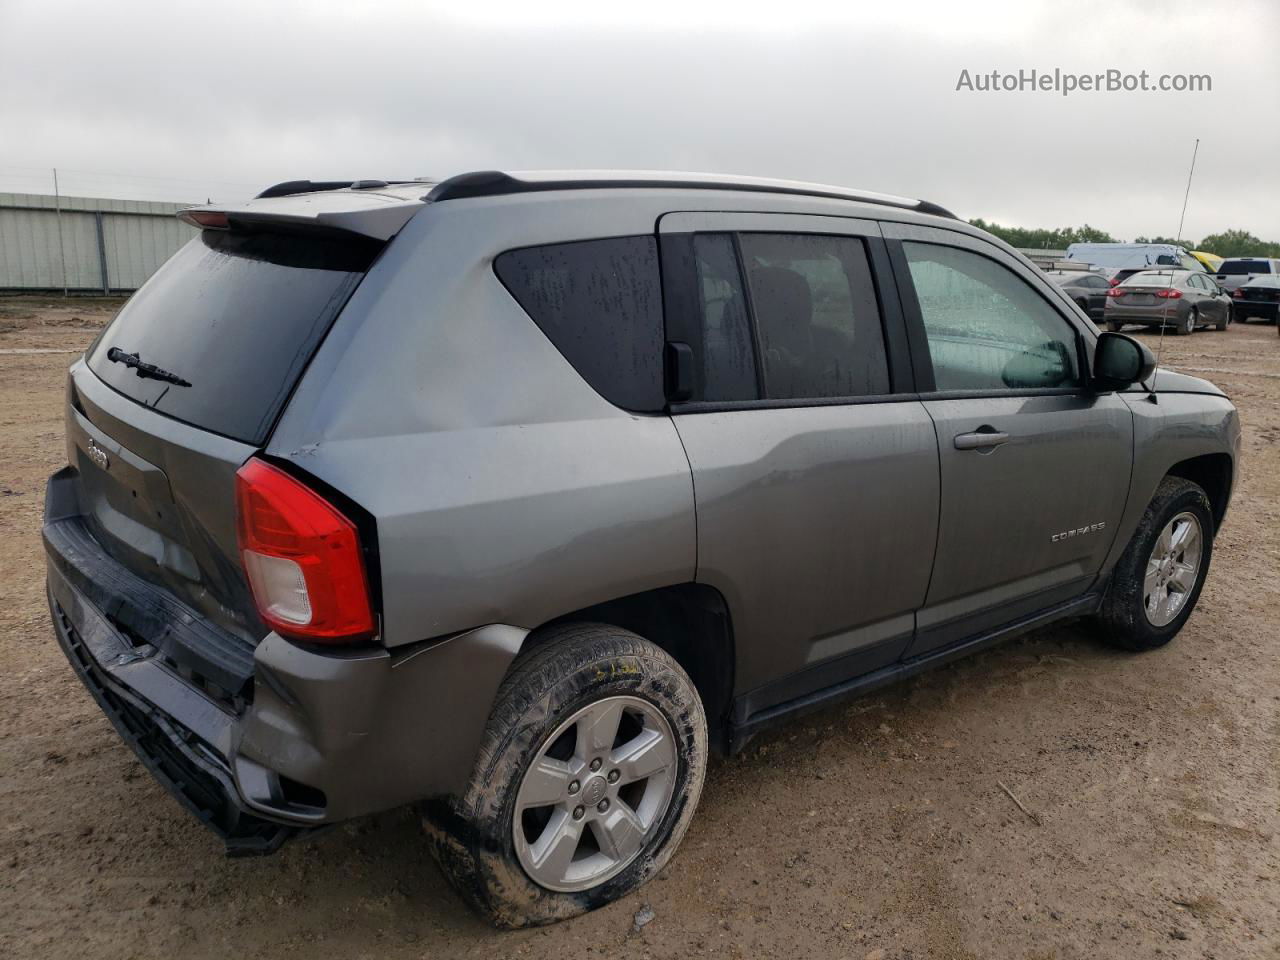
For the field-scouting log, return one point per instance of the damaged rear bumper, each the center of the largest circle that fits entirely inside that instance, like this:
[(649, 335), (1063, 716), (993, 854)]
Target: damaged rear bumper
[(312, 737), (181, 754)]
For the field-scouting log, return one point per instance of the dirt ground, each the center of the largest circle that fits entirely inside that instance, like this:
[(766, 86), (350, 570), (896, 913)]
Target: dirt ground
[(874, 830)]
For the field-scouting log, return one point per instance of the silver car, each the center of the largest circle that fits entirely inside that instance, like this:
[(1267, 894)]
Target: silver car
[(515, 496), (1179, 299)]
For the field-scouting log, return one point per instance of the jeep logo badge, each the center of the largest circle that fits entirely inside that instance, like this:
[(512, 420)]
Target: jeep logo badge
[(98, 455)]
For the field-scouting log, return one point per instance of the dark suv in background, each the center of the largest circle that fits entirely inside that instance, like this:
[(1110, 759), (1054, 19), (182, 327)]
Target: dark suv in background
[(518, 495)]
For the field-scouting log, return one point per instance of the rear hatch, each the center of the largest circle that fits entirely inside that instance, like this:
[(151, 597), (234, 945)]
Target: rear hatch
[(185, 384)]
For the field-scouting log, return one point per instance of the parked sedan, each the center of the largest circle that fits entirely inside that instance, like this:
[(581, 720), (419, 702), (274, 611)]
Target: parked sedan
[(1087, 289), (1260, 297), (1175, 298)]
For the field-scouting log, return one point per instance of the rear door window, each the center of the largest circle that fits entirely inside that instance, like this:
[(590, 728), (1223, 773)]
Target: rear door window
[(817, 317), (600, 303), (237, 316)]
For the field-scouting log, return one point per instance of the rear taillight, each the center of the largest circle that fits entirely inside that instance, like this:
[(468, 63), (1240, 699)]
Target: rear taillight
[(1116, 292), (1115, 282), (1238, 292), (302, 557), (1169, 294)]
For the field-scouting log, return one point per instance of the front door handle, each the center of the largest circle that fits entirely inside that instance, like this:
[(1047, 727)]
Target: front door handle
[(984, 438)]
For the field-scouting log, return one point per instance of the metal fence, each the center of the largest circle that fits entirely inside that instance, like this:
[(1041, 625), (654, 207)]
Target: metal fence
[(84, 244)]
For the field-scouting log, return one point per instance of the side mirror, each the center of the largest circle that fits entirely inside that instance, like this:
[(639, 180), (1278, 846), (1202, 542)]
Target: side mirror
[(1120, 361)]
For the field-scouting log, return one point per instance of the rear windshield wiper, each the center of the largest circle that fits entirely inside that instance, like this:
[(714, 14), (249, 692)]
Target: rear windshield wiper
[(148, 371)]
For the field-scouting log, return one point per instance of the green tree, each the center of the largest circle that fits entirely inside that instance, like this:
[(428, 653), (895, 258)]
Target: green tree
[(1238, 243), (1228, 243), (1044, 239)]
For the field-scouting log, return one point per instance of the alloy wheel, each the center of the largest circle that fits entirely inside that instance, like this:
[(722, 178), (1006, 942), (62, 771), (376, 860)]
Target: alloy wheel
[(594, 793), (1172, 569)]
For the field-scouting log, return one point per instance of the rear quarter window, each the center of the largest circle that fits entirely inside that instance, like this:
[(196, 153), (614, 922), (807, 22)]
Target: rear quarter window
[(600, 303)]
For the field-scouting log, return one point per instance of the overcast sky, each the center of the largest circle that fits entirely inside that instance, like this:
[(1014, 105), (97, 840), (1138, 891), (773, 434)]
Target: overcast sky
[(183, 100)]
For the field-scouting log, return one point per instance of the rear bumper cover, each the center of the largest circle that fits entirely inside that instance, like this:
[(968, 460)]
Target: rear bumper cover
[(1267, 310), (324, 736)]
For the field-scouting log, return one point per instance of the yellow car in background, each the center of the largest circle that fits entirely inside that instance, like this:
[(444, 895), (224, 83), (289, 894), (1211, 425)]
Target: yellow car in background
[(1211, 261)]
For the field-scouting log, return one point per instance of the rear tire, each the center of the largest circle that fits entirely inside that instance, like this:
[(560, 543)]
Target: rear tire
[(1114, 326), (616, 828), (1226, 319), (1152, 569), (1186, 327)]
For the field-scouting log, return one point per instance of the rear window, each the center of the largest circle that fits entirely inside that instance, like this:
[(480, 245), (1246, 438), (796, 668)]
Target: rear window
[(238, 317), (1238, 267), (600, 303), (1148, 279)]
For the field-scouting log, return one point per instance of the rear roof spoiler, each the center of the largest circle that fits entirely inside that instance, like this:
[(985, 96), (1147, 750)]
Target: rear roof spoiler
[(355, 207)]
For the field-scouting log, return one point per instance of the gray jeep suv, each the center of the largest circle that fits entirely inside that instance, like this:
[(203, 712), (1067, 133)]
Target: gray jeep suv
[(517, 495)]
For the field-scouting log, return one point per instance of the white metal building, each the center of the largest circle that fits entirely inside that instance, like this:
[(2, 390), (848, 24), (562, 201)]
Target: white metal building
[(93, 246)]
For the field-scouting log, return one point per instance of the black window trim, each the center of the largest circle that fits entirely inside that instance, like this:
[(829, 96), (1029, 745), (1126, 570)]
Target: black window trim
[(918, 334), (753, 327), (682, 311)]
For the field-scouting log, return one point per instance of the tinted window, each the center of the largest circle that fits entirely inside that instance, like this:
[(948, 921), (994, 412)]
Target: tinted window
[(727, 354), (238, 316), (600, 303), (816, 315), (1238, 267), (987, 328), (1153, 278)]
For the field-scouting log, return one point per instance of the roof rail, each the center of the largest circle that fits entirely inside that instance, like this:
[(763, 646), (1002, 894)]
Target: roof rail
[(492, 183)]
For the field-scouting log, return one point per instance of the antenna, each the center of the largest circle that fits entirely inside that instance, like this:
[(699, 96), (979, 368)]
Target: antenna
[(1178, 237)]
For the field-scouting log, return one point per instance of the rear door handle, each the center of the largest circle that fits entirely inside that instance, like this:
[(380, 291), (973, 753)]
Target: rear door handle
[(984, 438)]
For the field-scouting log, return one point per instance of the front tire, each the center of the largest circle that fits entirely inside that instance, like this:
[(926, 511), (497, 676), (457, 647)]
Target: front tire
[(1114, 326), (588, 774), (1158, 578)]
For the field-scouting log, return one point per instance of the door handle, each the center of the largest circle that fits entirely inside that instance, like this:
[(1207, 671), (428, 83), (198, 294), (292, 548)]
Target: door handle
[(984, 438)]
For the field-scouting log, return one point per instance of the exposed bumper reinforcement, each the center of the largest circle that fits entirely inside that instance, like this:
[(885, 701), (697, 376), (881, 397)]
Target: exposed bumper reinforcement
[(187, 762)]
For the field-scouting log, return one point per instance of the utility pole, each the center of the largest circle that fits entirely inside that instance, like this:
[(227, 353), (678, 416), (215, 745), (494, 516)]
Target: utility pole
[(62, 250)]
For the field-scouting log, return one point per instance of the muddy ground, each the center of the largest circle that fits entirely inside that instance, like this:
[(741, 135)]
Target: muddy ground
[(875, 830)]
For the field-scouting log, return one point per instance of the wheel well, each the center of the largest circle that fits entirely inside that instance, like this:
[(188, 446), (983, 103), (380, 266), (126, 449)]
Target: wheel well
[(691, 622), (1212, 472)]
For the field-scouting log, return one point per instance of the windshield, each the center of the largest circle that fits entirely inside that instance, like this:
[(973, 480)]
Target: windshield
[(220, 334)]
